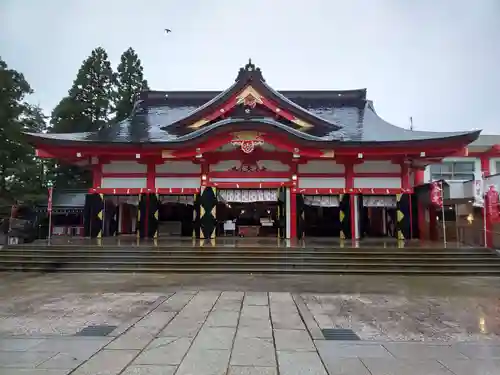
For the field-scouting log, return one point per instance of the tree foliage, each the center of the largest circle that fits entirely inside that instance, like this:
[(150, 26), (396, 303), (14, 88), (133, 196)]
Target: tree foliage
[(21, 172), (86, 108), (88, 105), (129, 83), (96, 95), (28, 179)]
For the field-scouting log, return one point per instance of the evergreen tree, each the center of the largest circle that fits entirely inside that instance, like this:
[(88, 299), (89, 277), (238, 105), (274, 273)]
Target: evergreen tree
[(28, 178), (13, 89), (89, 102), (129, 83), (86, 108)]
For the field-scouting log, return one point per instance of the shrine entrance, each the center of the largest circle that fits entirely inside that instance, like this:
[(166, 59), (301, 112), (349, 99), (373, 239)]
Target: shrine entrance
[(321, 216), (249, 213), (377, 216), (175, 215)]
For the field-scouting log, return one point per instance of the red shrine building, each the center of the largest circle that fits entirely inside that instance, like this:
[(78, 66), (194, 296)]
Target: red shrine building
[(254, 161)]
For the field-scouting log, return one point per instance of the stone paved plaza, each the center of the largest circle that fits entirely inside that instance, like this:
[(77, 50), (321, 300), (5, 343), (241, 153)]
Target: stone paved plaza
[(247, 324)]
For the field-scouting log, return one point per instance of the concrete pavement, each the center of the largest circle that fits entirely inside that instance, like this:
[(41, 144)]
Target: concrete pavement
[(200, 332)]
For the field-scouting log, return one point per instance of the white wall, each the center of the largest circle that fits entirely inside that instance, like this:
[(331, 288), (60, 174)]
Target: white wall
[(321, 183), (224, 165), (125, 183), (477, 166), (177, 182), (376, 166), (269, 165), (493, 165), (173, 166), (377, 182), (273, 165), (321, 166), (124, 166)]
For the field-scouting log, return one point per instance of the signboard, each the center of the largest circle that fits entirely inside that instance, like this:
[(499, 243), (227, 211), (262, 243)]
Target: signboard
[(437, 193), (493, 210), (478, 193)]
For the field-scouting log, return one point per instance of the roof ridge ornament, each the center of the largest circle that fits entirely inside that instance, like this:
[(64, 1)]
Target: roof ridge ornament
[(250, 73)]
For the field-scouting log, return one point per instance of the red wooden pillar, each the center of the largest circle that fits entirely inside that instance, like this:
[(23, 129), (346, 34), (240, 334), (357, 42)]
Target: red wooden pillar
[(405, 184), (293, 214), (485, 170), (151, 176), (294, 167), (97, 175), (349, 184), (433, 232), (422, 224)]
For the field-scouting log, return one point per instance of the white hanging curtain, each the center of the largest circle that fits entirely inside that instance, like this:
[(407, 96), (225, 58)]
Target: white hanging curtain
[(128, 199), (379, 201), (183, 199), (321, 200), (248, 195)]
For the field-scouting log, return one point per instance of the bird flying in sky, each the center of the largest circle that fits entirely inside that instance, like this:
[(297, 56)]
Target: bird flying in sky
[(167, 31)]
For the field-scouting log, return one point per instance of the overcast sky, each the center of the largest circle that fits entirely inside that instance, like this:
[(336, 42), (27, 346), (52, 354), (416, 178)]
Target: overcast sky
[(435, 60)]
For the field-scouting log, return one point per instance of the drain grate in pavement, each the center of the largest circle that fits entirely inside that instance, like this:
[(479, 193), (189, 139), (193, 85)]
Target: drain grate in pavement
[(339, 334), (99, 330)]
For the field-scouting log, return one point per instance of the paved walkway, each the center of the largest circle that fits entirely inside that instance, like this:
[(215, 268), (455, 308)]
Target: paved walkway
[(244, 333), (61, 324)]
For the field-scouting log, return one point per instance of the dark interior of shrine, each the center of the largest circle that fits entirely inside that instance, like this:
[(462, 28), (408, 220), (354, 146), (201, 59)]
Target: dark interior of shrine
[(250, 219), (322, 221)]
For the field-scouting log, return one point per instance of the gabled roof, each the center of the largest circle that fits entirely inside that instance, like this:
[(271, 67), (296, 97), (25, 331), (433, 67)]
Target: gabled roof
[(250, 90), (337, 117)]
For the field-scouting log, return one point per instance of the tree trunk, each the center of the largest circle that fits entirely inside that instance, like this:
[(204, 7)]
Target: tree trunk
[(3, 186)]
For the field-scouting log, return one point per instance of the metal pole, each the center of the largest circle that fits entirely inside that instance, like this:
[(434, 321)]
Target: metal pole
[(442, 214), (50, 226), (485, 239), (49, 209)]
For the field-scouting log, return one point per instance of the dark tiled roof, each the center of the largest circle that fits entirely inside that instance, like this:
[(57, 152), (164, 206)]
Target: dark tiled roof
[(348, 110), (68, 199)]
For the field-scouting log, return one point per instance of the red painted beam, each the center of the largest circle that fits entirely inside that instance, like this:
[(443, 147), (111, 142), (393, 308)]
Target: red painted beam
[(164, 191), (177, 175), (256, 155), (354, 174), (321, 175), (248, 185), (365, 191), (263, 174), (124, 174)]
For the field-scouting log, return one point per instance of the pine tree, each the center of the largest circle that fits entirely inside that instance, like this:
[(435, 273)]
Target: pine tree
[(13, 89), (129, 83)]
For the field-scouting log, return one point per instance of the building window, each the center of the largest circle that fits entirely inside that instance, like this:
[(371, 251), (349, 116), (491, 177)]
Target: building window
[(457, 170)]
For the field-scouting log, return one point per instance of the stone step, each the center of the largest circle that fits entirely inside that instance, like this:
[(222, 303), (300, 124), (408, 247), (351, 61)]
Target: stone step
[(235, 251), (245, 257), (358, 271), (250, 264), (255, 248)]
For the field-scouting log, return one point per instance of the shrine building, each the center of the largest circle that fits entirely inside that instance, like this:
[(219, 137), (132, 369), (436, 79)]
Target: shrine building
[(254, 161)]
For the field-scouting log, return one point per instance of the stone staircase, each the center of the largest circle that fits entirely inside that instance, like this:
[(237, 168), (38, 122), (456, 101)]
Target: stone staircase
[(242, 259)]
